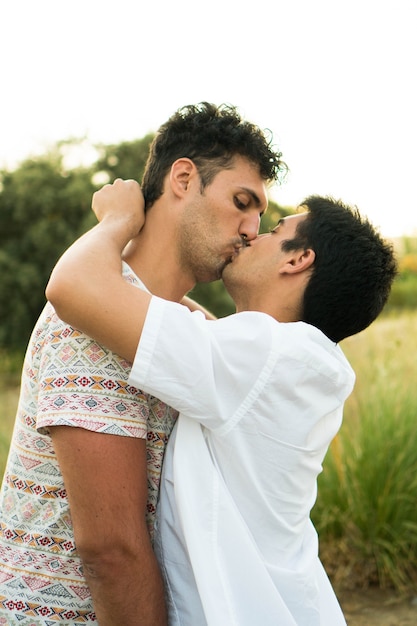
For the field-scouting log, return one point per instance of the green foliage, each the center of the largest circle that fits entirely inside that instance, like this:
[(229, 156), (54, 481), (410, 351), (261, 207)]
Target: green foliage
[(44, 207), (214, 297), (368, 489), (274, 213), (124, 160), (8, 403), (404, 292), (10, 371), (409, 246)]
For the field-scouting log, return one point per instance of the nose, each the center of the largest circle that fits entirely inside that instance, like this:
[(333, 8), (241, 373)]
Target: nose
[(250, 226)]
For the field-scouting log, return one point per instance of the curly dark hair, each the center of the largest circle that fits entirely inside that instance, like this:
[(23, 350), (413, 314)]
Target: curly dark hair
[(211, 136), (353, 271)]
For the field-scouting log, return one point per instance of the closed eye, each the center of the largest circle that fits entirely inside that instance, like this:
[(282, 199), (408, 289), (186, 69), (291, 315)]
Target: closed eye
[(274, 230), (240, 204), (250, 198)]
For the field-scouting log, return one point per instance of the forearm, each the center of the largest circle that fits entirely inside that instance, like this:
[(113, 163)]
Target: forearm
[(87, 288), (127, 591), (95, 298), (106, 481), (81, 276)]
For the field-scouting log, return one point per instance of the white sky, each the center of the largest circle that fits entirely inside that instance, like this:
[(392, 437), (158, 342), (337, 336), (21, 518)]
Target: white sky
[(334, 80)]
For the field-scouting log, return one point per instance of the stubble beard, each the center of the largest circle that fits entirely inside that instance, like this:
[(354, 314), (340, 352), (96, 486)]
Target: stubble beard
[(198, 252), (204, 269)]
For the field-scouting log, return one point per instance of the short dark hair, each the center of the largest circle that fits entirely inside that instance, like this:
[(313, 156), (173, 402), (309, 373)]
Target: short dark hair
[(211, 136), (353, 270)]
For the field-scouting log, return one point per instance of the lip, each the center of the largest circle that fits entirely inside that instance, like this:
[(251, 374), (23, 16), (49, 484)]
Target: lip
[(237, 251)]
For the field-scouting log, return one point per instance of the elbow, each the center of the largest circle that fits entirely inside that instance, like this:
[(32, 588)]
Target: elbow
[(105, 559), (98, 563), (58, 293), (51, 292)]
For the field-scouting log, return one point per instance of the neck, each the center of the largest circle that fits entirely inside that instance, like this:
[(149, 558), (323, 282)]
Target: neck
[(153, 256), (284, 309)]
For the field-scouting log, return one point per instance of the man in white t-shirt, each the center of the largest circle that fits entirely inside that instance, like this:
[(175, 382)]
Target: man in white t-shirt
[(260, 396)]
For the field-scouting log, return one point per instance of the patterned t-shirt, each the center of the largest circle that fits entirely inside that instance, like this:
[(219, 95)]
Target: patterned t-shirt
[(67, 379)]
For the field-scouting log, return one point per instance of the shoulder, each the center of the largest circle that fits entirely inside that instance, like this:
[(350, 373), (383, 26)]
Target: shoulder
[(247, 326), (304, 347), (64, 347)]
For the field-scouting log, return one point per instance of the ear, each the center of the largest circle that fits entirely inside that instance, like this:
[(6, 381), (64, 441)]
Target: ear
[(182, 171), (298, 261)]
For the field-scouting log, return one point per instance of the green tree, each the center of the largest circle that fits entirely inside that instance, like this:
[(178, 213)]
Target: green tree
[(44, 206), (42, 209), (124, 160)]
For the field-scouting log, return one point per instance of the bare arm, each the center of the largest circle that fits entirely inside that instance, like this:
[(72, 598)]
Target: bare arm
[(192, 305), (105, 477), (93, 296)]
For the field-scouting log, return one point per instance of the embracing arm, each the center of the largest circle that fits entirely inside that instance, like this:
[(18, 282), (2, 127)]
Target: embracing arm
[(92, 296), (192, 305)]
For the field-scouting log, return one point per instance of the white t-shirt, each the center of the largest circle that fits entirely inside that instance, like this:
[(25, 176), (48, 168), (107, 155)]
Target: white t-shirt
[(259, 403)]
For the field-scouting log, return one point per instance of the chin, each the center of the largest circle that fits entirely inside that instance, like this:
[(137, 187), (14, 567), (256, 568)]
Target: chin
[(227, 278)]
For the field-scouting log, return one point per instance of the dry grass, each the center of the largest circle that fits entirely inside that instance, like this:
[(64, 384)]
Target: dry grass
[(366, 513)]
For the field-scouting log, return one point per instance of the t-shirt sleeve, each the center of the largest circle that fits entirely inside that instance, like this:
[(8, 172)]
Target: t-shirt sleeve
[(207, 370), (82, 384)]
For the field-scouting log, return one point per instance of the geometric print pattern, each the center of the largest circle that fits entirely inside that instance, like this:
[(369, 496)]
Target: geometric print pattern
[(67, 379)]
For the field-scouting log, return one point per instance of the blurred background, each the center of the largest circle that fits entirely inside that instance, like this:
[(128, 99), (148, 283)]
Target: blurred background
[(334, 80)]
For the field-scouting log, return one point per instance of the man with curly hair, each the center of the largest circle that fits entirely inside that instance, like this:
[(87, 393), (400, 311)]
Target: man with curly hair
[(81, 484)]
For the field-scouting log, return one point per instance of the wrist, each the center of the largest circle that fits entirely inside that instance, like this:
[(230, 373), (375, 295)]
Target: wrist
[(120, 229)]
